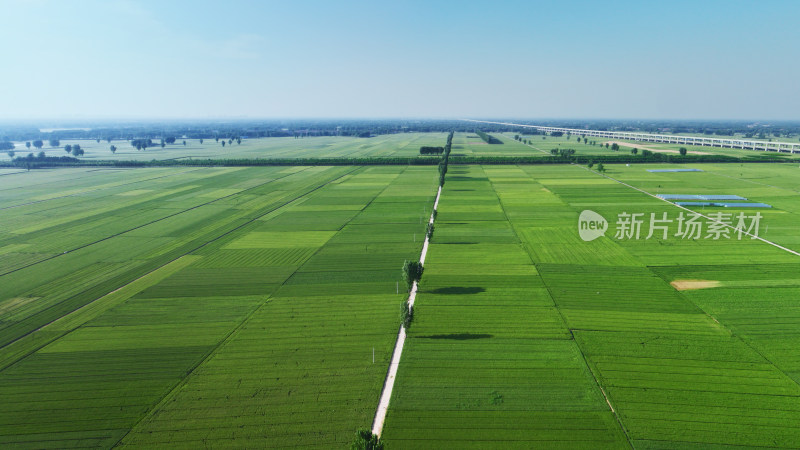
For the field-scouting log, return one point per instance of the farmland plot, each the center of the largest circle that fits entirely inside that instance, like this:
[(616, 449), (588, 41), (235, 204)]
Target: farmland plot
[(701, 368), (385, 145), (489, 359), (213, 328), (242, 306), (678, 373)]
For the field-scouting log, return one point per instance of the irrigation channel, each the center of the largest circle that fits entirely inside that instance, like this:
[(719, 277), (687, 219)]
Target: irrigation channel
[(391, 374)]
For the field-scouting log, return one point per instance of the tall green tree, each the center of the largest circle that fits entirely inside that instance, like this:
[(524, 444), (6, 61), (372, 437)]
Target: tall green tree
[(412, 271), (406, 314), (365, 440)]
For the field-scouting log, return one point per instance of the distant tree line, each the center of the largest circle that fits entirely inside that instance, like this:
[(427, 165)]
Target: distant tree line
[(562, 152), (309, 128), (74, 149), (442, 166), (41, 160), (425, 150), (141, 144), (489, 139), (419, 161)]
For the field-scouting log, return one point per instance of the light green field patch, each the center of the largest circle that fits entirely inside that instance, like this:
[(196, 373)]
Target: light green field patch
[(501, 180), (512, 254), (641, 321), (473, 207), (327, 207), (575, 181), (227, 258), (108, 301), (219, 193), (562, 246), (12, 248), (43, 223), (9, 305), (281, 239), (143, 336), (293, 169), (134, 192), (483, 269), (261, 201), (342, 179), (52, 195)]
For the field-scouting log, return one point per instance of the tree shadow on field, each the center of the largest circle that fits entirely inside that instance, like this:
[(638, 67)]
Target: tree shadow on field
[(458, 336), (458, 290)]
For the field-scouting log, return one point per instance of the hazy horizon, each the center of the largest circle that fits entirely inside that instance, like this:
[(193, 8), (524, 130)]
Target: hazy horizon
[(128, 60)]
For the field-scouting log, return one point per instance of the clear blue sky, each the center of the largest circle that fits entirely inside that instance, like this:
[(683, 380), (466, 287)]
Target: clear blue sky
[(532, 59)]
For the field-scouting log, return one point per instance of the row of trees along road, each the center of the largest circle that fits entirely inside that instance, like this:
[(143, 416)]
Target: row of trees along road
[(489, 139), (431, 150), (412, 271)]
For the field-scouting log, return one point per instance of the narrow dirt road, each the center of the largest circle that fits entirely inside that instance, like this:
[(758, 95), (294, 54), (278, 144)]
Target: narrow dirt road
[(388, 384)]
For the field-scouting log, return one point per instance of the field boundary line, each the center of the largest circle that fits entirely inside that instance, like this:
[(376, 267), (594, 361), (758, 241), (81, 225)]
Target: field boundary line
[(391, 373), (13, 173), (168, 394), (561, 314)]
